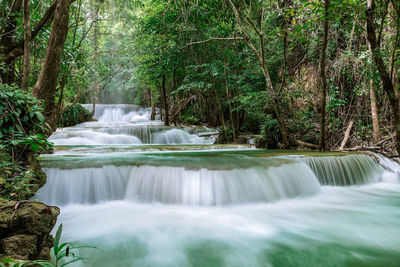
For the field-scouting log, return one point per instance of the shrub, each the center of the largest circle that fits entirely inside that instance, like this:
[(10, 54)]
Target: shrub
[(23, 133), (74, 115)]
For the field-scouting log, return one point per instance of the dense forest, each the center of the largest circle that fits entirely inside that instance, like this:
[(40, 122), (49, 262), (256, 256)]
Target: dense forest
[(290, 74), (325, 73)]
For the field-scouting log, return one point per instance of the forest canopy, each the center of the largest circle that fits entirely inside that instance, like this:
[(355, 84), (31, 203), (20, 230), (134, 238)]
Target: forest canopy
[(321, 74)]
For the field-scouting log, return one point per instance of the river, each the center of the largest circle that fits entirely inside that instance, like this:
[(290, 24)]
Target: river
[(149, 195)]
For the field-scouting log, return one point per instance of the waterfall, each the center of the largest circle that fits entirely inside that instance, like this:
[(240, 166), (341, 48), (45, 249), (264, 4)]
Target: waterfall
[(142, 193), (356, 169), (128, 124), (111, 112), (392, 169), (178, 185), (200, 181)]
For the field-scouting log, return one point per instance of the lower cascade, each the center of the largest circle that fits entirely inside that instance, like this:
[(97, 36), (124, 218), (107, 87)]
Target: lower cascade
[(178, 185), (264, 182), (146, 194)]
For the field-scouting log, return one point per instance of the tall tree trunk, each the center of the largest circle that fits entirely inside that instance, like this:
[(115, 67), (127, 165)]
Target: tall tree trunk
[(324, 85), (10, 48), (46, 84), (228, 97), (383, 72), (260, 55), (27, 45), (165, 101), (95, 16), (374, 113), (153, 107)]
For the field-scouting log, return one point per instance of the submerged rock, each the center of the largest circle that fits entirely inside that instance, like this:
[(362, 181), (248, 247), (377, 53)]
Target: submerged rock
[(25, 228)]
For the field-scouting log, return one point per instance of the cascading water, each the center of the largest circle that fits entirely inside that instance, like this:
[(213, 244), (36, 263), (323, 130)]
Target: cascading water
[(149, 195), (127, 124)]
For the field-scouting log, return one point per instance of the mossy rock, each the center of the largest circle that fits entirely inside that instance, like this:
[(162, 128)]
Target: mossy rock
[(25, 228), (74, 115)]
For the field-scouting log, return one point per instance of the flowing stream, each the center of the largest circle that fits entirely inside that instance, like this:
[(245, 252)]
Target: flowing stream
[(149, 195)]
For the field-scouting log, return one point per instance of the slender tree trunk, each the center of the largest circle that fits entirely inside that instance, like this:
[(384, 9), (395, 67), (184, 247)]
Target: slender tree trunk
[(383, 72), (374, 113), (160, 104), (347, 134), (165, 102), (27, 45), (260, 55), (324, 85), (46, 84), (95, 16), (153, 107), (228, 97)]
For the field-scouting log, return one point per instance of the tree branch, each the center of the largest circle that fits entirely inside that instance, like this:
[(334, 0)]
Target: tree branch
[(213, 39)]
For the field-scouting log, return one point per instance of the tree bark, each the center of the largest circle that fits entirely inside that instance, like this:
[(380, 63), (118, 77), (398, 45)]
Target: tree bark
[(153, 107), (46, 84), (347, 134), (228, 97), (95, 14), (27, 45), (164, 99), (383, 72), (324, 85), (374, 113)]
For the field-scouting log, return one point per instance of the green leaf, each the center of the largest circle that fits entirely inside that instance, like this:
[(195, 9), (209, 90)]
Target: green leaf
[(57, 239), (40, 116)]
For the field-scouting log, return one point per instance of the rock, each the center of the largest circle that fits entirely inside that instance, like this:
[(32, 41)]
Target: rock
[(20, 246), (25, 228)]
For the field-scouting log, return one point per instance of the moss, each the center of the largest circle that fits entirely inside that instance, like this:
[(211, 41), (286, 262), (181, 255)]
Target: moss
[(74, 115)]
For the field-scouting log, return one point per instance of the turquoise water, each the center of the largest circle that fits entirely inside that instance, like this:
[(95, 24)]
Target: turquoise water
[(198, 204)]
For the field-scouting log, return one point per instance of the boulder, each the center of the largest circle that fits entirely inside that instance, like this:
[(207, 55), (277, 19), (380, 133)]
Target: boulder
[(25, 228)]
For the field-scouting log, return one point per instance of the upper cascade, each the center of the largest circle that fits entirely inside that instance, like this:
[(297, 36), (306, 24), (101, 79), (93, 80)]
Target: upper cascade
[(128, 125), (119, 112)]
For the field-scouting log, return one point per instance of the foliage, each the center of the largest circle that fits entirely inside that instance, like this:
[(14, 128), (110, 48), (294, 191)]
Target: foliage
[(74, 115), (22, 134)]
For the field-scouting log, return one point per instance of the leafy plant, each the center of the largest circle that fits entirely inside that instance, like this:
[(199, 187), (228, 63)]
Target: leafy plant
[(22, 135)]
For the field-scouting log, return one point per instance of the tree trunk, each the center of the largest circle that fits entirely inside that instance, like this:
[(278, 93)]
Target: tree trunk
[(27, 45), (260, 55), (374, 113), (228, 97), (153, 107), (95, 15), (10, 49), (46, 84), (385, 78), (164, 99), (324, 85), (347, 134)]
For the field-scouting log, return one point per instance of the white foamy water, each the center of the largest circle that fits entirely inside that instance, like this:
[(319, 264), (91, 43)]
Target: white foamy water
[(182, 205), (335, 227), (127, 124)]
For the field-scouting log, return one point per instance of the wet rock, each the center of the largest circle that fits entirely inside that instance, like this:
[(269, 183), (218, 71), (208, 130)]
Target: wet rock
[(25, 228)]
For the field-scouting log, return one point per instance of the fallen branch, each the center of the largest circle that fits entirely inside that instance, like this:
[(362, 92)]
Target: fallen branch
[(213, 39), (347, 135), (305, 144)]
